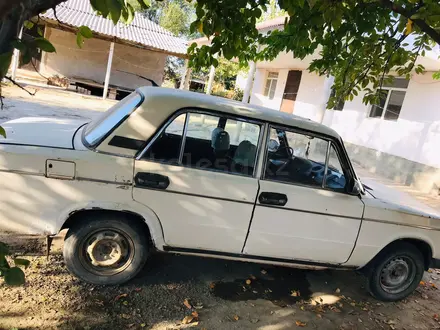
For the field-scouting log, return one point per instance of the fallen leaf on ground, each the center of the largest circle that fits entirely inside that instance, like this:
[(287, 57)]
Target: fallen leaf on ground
[(433, 285), (264, 272), (143, 325), (359, 320), (302, 308), (187, 304), (338, 290), (336, 310), (195, 314), (319, 316), (435, 317), (300, 324), (353, 304), (125, 316), (391, 322), (212, 285), (123, 295), (248, 282), (295, 293), (187, 319), (422, 283), (125, 303), (392, 327), (236, 317)]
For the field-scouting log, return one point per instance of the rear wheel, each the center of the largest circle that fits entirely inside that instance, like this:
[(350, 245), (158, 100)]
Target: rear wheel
[(396, 272), (105, 249)]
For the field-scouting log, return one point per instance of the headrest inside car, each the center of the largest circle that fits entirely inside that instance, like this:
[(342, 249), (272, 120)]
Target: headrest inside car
[(220, 139)]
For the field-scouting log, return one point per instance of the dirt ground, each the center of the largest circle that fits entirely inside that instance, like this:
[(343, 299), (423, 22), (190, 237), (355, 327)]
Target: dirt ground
[(222, 294)]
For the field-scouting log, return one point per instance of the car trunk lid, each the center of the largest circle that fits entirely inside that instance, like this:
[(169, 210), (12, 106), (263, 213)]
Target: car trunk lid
[(39, 131)]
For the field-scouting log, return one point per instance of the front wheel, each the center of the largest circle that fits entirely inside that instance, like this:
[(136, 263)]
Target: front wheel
[(396, 272), (105, 249)]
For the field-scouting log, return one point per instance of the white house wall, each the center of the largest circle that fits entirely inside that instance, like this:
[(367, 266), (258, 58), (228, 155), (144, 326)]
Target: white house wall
[(405, 150), (258, 97), (90, 61)]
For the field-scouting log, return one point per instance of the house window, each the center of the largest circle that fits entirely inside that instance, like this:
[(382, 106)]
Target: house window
[(391, 100), (340, 104), (271, 85)]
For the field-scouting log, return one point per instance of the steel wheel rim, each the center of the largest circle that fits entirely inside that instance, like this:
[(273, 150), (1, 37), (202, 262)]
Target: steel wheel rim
[(106, 252), (397, 275)]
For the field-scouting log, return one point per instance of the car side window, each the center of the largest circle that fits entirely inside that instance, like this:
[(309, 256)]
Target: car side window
[(220, 143), (166, 147), (335, 178), (301, 159), (208, 142), (297, 159)]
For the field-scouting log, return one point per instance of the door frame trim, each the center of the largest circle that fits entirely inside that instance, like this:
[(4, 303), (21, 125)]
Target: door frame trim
[(195, 195), (310, 212), (249, 257)]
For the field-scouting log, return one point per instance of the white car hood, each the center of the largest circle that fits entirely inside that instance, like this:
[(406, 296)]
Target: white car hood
[(39, 131), (390, 199)]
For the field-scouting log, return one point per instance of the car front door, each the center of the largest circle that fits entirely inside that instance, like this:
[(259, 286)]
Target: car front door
[(303, 211), (197, 175)]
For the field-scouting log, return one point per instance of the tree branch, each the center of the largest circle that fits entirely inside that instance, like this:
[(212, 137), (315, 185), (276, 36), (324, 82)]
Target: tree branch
[(19, 86), (419, 22)]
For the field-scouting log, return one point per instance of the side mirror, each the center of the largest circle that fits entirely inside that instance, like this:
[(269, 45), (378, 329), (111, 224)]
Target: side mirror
[(356, 188)]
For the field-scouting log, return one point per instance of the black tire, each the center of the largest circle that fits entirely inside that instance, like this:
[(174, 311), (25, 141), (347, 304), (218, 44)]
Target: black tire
[(402, 257), (110, 232)]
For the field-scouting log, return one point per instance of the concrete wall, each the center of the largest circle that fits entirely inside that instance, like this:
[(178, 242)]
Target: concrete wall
[(312, 95), (258, 97), (406, 150), (90, 61)]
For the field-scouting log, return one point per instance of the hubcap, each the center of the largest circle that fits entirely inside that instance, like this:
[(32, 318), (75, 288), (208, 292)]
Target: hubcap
[(397, 275), (106, 252)]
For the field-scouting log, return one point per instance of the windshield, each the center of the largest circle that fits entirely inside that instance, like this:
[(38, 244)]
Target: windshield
[(98, 129)]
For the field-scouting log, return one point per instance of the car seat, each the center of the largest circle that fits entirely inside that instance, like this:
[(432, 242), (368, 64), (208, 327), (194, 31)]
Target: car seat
[(220, 143), (244, 157)]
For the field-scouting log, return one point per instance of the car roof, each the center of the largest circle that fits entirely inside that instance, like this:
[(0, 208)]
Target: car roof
[(187, 99)]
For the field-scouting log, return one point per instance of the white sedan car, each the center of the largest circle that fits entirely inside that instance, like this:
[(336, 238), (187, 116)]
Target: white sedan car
[(187, 173)]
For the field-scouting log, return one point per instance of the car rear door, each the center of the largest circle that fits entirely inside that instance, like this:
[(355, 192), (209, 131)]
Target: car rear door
[(301, 213), (203, 189)]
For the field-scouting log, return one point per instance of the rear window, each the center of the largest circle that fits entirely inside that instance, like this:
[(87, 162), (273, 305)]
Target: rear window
[(98, 129)]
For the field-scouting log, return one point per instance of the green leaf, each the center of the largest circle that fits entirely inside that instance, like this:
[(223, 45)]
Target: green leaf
[(40, 31), (2, 133), (4, 248), (28, 25), (26, 57), (22, 262), (5, 61), (115, 8), (100, 6), (20, 45), (45, 45), (79, 39), (436, 75), (14, 276), (86, 32)]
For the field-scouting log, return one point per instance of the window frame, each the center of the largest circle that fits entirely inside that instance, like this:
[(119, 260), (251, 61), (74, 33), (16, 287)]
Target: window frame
[(272, 79), (390, 89), (342, 157), (202, 111)]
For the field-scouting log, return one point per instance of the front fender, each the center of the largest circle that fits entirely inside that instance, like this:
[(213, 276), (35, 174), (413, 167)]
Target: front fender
[(139, 209)]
